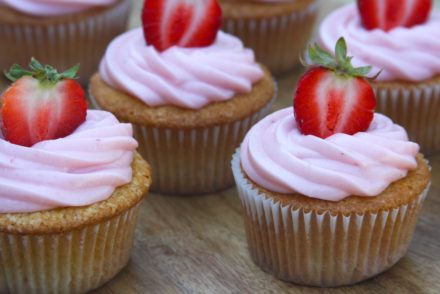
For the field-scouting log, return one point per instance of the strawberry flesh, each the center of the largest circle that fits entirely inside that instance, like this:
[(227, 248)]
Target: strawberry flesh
[(326, 103), (185, 23), (32, 112), (389, 14)]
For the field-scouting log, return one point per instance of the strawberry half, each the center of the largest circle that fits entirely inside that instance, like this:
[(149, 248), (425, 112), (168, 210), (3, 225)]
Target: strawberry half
[(333, 97), (185, 23), (41, 104), (389, 14)]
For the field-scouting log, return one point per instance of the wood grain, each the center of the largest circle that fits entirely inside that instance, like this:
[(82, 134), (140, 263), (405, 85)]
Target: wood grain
[(198, 244)]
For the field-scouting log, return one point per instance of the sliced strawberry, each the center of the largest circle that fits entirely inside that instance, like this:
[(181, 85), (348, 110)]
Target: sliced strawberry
[(41, 104), (389, 14), (326, 103), (185, 23), (333, 97)]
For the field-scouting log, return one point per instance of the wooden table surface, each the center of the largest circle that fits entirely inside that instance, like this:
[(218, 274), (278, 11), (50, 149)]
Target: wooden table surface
[(198, 244)]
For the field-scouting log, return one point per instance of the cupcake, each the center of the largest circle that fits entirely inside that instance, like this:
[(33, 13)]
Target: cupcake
[(277, 30), (60, 32), (408, 89), (331, 191), (70, 189), (190, 100)]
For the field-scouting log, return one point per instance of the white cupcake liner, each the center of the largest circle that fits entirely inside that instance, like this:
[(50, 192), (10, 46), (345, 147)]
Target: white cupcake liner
[(276, 41), (417, 109), (321, 249), (76, 261), (78, 38)]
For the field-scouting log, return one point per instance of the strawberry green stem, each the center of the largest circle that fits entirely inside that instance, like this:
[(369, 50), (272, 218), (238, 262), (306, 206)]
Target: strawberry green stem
[(46, 75), (340, 63)]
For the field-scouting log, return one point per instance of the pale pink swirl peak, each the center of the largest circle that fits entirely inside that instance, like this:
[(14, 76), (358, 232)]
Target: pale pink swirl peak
[(276, 156), (80, 169), (409, 54), (54, 7), (184, 77)]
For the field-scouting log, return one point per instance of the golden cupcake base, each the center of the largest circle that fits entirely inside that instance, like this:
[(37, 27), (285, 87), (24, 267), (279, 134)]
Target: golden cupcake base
[(189, 149), (327, 244), (74, 249), (193, 161)]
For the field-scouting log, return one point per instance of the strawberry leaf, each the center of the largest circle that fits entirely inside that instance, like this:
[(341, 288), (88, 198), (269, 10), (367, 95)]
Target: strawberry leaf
[(35, 65), (341, 51), (71, 72), (319, 56), (16, 72), (362, 71), (51, 73)]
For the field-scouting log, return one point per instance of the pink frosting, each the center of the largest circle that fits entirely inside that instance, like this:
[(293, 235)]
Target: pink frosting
[(410, 54), (80, 169), (53, 7), (279, 158), (184, 77)]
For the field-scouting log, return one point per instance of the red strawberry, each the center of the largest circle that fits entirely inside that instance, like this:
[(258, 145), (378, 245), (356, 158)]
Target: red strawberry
[(333, 97), (41, 104), (388, 14), (185, 23)]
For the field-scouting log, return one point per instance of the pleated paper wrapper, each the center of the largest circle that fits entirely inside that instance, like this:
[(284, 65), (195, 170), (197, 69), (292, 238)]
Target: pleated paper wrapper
[(277, 41), (322, 249), (75, 261), (63, 41), (193, 161), (416, 108)]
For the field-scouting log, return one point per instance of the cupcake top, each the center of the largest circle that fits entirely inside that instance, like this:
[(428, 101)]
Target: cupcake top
[(54, 7), (331, 145), (55, 153), (184, 77), (278, 157), (80, 169), (179, 60), (403, 53)]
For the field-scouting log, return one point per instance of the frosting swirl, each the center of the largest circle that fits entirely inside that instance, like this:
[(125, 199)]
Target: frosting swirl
[(279, 158), (184, 77), (53, 7), (80, 169), (410, 54)]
